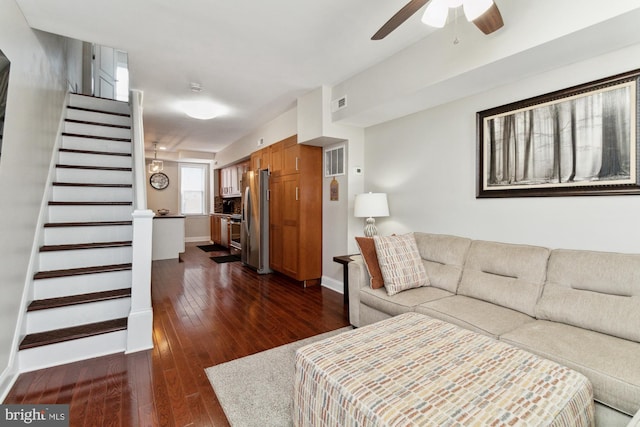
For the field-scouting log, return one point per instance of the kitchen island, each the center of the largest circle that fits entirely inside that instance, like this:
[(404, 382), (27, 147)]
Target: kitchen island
[(168, 237)]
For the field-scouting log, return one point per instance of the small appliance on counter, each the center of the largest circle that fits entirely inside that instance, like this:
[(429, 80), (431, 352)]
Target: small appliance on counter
[(227, 206)]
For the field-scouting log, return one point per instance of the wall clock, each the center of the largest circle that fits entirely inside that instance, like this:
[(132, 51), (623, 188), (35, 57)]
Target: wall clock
[(159, 181)]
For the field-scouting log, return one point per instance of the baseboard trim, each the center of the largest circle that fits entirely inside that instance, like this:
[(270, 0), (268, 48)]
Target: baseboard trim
[(332, 284), (7, 380), (197, 239)]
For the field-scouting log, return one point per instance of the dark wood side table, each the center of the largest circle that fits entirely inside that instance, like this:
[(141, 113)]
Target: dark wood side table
[(344, 260)]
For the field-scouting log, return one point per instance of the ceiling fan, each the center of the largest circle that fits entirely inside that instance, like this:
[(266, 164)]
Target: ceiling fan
[(483, 13)]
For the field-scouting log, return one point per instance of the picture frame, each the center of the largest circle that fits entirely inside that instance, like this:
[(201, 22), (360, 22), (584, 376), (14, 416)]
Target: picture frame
[(583, 140)]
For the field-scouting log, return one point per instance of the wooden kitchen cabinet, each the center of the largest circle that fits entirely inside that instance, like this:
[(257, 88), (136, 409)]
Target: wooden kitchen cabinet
[(215, 229), (261, 159), (295, 211)]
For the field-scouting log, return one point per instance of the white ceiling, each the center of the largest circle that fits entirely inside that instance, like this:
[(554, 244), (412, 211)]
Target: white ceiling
[(256, 57)]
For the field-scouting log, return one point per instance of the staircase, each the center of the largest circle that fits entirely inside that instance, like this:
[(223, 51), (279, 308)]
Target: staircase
[(82, 290)]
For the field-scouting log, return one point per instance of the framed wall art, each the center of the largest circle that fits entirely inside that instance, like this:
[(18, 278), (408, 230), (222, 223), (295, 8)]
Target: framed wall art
[(577, 141)]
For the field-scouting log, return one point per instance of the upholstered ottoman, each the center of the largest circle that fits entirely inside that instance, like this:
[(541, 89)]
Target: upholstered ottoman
[(414, 370)]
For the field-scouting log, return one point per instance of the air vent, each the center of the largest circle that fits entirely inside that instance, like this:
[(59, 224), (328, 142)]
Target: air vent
[(339, 104)]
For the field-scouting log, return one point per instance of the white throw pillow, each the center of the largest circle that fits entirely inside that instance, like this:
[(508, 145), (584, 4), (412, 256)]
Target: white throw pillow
[(400, 263)]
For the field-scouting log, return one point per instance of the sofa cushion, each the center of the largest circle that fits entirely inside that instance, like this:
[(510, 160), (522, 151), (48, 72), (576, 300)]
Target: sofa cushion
[(400, 263), (370, 258), (443, 257), (593, 290), (505, 274), (400, 303), (610, 363), (474, 314)]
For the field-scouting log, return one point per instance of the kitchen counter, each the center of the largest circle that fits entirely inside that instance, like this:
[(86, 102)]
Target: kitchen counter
[(168, 237)]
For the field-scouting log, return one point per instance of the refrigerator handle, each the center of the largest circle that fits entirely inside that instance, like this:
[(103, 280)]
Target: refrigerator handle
[(245, 210)]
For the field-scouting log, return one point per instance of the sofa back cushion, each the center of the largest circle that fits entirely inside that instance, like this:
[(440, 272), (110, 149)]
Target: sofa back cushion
[(505, 274), (599, 291), (443, 257)]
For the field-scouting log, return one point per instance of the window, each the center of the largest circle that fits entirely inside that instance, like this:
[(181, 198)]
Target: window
[(193, 189), (334, 161)]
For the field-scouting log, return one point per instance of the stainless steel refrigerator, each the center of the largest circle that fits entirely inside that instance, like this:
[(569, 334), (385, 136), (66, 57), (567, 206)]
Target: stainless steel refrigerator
[(254, 233)]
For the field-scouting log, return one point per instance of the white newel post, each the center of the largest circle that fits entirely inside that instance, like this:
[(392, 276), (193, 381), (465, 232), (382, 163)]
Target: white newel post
[(140, 325)]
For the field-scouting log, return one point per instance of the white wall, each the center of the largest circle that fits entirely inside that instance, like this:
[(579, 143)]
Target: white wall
[(276, 130), (33, 117), (426, 162), (196, 226)]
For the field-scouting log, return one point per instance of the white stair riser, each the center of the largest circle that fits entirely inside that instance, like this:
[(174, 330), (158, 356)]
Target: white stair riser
[(89, 213), (99, 104), (69, 235), (94, 117), (93, 176), (77, 143), (82, 159), (74, 315), (91, 194), (72, 351), (96, 130), (77, 258), (81, 284)]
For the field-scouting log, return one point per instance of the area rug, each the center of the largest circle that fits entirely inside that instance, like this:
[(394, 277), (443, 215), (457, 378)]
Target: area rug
[(257, 390), (211, 248), (226, 258)]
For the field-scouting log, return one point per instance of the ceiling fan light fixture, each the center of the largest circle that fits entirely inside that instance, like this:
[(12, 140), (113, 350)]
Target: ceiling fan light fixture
[(436, 13), (473, 9), (202, 109)]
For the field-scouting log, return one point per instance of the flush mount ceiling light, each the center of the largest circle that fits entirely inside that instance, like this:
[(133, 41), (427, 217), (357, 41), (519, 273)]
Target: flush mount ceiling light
[(201, 108)]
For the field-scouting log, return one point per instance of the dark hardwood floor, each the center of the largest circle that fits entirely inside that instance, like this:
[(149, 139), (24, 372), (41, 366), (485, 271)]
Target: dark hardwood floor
[(204, 314)]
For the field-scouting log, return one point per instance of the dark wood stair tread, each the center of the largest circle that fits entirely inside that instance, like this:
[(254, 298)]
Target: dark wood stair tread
[(82, 184), (97, 245), (101, 168), (44, 304), (107, 138), (93, 110), (79, 271), (87, 224), (76, 332), (85, 122), (90, 203), (100, 153)]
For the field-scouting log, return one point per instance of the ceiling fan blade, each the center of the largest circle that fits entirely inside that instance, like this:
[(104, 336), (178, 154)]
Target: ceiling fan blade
[(489, 21), (403, 14)]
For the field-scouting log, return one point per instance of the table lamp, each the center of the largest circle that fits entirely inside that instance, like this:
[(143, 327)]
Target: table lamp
[(371, 205)]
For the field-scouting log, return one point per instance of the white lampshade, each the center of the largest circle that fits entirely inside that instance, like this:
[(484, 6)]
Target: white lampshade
[(436, 13), (473, 9), (371, 205)]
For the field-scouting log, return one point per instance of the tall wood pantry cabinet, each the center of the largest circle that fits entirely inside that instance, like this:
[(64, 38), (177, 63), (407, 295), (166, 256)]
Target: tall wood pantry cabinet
[(295, 210)]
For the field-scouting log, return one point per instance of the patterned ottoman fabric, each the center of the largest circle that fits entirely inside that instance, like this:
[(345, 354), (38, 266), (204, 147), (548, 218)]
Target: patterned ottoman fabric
[(414, 370)]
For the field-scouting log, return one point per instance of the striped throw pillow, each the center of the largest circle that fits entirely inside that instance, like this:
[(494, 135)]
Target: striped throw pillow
[(400, 263)]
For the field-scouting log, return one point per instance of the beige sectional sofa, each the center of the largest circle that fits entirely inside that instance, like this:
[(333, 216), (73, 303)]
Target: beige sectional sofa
[(578, 308)]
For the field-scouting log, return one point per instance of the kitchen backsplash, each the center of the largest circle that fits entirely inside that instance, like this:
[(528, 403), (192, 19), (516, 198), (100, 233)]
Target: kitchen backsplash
[(235, 202)]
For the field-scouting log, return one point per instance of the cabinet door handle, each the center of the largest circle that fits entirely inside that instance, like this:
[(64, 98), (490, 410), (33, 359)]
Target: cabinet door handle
[(297, 194), (297, 164)]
